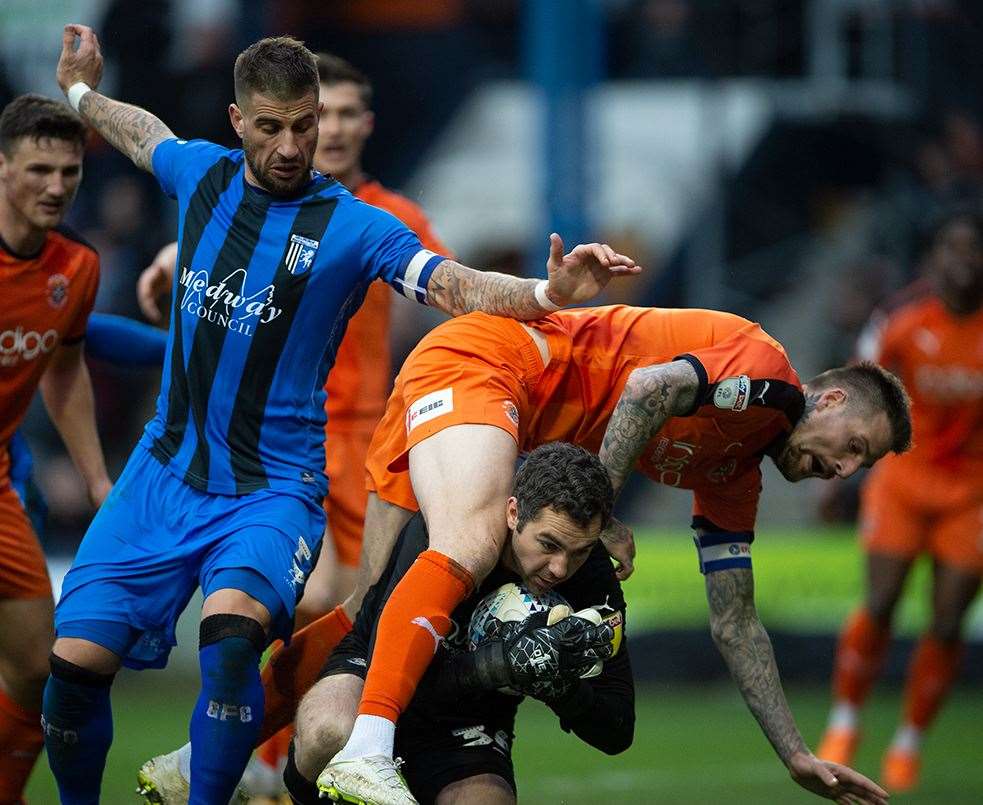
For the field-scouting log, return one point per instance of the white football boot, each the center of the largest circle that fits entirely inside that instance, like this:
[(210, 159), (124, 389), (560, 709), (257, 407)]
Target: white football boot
[(371, 780), (160, 782)]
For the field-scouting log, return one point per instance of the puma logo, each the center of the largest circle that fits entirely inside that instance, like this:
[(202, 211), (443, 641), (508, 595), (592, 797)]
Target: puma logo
[(423, 623), (761, 394)]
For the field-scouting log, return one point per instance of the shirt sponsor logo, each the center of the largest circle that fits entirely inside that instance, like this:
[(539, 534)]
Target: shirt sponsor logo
[(300, 254), (57, 290), (220, 305), (429, 406), (732, 394), (671, 462), (949, 384), (25, 345)]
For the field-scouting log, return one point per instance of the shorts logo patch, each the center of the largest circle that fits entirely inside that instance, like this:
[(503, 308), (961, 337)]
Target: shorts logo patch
[(511, 412), (430, 406), (732, 393), (359, 661), (57, 290)]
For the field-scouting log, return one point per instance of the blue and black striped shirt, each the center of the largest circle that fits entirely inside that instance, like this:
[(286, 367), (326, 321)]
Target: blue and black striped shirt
[(264, 287)]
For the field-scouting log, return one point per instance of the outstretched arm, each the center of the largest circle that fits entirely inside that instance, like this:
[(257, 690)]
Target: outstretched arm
[(746, 647), (131, 130), (573, 278)]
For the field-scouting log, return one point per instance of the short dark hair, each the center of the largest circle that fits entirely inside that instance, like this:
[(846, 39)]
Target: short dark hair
[(35, 116), (333, 70), (279, 66), (878, 389), (567, 478)]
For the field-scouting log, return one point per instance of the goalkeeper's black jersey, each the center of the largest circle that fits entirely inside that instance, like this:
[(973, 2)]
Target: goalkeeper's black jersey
[(593, 585)]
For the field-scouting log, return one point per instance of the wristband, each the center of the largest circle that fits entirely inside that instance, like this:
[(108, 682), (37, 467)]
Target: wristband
[(543, 300), (75, 93)]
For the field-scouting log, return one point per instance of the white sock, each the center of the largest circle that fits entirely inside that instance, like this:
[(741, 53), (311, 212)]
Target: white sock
[(371, 735), (843, 716), (908, 739), (184, 761)]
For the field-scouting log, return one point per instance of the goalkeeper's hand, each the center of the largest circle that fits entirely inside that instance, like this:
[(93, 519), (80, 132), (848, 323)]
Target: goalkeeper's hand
[(538, 655)]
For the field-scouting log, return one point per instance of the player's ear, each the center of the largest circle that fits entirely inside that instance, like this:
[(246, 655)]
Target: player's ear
[(237, 119), (368, 121), (831, 397), (512, 512)]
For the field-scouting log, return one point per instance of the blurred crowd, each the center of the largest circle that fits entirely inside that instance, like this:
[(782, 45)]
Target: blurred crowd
[(174, 57)]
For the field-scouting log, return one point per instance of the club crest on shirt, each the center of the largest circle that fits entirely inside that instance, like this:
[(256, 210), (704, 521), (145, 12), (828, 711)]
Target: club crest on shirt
[(300, 254), (732, 394), (511, 412), (57, 290)]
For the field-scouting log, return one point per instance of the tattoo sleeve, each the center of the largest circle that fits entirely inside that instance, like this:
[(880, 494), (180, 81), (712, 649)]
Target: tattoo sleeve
[(652, 395), (744, 644), (457, 290), (129, 129)]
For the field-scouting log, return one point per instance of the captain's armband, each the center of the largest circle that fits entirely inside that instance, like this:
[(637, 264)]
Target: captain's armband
[(723, 550)]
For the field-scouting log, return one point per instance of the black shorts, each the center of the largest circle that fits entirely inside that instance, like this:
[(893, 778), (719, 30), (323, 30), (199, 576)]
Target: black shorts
[(440, 743)]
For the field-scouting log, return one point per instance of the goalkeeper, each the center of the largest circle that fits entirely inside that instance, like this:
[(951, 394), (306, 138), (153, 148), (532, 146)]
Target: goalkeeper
[(456, 737)]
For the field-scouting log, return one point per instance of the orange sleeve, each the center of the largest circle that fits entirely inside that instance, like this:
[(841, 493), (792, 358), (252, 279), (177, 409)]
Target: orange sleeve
[(746, 368), (88, 277), (415, 219)]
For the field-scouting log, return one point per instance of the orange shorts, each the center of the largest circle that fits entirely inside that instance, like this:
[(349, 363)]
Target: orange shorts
[(474, 370), (23, 571), (905, 514), (345, 451)]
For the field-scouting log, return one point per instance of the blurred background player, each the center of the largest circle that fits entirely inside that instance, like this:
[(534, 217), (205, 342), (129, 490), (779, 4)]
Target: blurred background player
[(49, 278), (359, 381), (927, 501), (693, 398)]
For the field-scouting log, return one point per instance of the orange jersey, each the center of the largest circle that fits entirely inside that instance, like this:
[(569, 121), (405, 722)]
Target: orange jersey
[(47, 299), (939, 357), (359, 381), (749, 395)]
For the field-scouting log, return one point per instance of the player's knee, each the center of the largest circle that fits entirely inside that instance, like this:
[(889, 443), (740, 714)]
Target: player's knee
[(240, 642), (69, 672)]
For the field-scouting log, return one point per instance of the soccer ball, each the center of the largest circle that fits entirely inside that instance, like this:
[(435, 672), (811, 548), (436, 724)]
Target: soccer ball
[(510, 603)]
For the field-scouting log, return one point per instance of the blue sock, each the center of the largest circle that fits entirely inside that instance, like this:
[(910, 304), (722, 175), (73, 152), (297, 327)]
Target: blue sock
[(78, 728), (227, 717)]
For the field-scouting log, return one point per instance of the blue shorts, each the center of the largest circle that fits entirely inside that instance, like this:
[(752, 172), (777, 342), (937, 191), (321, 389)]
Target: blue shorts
[(156, 539)]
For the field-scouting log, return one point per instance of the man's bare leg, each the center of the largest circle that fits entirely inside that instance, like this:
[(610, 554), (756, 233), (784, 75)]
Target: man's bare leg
[(461, 477)]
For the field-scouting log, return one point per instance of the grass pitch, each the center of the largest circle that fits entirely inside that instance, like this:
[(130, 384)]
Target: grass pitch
[(693, 746)]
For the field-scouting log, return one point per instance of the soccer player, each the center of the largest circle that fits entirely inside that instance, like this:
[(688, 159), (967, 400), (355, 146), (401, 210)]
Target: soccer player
[(928, 501), (49, 280), (692, 398), (456, 737), (224, 490), (357, 386)]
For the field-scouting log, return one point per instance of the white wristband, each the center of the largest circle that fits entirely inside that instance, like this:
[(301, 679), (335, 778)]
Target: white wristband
[(75, 93), (543, 299)]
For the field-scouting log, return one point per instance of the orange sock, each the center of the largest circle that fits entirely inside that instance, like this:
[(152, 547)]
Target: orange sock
[(931, 672), (859, 657), (20, 744), (414, 619), (293, 669), (275, 749)]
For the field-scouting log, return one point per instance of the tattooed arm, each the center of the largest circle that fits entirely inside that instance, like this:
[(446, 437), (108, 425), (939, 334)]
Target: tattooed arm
[(742, 640), (744, 644), (573, 278), (652, 395), (131, 130)]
